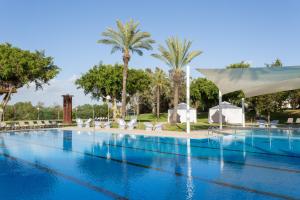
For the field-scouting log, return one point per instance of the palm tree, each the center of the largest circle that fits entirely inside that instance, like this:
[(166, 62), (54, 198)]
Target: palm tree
[(127, 39), (176, 55), (160, 83)]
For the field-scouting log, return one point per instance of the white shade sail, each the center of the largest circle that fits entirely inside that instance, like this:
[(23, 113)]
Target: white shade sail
[(254, 81)]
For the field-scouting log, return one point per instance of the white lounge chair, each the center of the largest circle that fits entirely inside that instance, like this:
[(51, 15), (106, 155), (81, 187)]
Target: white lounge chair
[(290, 120), (261, 123), (79, 122), (297, 121), (23, 125), (107, 124), (158, 127), (32, 124), (40, 124), (122, 124), (274, 123), (132, 124), (87, 123), (148, 126), (97, 124)]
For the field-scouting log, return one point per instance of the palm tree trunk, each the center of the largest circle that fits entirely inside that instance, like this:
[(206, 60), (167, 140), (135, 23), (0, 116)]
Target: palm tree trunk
[(174, 114), (126, 59), (157, 102), (114, 109)]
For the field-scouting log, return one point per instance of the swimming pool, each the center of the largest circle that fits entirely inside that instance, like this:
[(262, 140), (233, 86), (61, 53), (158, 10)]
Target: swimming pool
[(56, 164)]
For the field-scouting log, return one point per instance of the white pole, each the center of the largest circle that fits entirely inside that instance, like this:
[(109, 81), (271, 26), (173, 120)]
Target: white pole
[(220, 110), (188, 124), (243, 111)]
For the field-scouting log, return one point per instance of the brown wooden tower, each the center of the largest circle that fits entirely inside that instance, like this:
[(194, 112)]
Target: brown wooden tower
[(67, 115)]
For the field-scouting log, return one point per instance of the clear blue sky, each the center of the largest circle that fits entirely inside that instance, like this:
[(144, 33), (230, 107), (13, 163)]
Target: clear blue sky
[(227, 31)]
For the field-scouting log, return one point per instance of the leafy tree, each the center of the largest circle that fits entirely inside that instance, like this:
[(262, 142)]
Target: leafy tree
[(127, 39), (176, 55), (138, 82), (20, 67), (160, 84), (241, 64), (103, 80), (204, 93)]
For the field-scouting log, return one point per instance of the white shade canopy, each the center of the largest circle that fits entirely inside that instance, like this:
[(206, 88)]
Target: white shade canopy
[(254, 81)]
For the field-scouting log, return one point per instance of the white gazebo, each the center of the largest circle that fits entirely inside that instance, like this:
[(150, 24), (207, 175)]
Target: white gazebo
[(182, 113), (253, 81), (231, 114)]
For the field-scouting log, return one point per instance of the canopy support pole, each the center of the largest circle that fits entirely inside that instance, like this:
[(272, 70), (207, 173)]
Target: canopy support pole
[(220, 110), (188, 123), (243, 111)]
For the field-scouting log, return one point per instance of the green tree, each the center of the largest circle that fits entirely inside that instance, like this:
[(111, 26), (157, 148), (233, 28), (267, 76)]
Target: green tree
[(176, 55), (20, 67), (128, 39), (241, 64), (204, 93), (138, 82), (101, 81), (160, 84)]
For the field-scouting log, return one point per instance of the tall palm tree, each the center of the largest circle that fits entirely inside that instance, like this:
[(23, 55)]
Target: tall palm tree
[(128, 39), (160, 83), (176, 55)]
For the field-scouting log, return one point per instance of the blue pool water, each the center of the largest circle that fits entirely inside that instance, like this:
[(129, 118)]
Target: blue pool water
[(56, 164)]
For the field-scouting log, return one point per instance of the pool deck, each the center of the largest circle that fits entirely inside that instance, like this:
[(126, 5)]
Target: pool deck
[(199, 134)]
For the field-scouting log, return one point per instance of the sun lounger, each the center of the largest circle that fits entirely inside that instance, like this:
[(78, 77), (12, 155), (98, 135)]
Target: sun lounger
[(87, 123), (23, 125), (16, 125), (97, 124), (290, 121), (274, 123), (107, 124), (3, 126), (261, 123), (48, 124), (122, 124), (54, 123), (32, 124), (158, 127), (297, 121), (148, 126), (79, 123), (40, 124), (132, 124)]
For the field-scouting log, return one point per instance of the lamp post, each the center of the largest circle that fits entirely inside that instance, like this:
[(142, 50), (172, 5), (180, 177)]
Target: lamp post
[(188, 124), (107, 101)]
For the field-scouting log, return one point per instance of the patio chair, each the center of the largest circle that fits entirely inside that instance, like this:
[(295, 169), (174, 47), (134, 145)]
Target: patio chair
[(3, 126), (23, 125), (40, 124), (290, 120), (48, 124), (107, 124), (297, 121), (55, 123), (274, 123), (97, 124), (148, 126), (87, 123), (122, 124), (31, 124), (132, 124), (16, 125), (79, 122), (158, 127), (261, 123)]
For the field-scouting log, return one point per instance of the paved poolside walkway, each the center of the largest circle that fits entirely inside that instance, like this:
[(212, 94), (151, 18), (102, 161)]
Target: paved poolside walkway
[(194, 134)]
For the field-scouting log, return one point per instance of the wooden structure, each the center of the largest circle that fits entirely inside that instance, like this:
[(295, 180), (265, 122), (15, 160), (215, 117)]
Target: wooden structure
[(67, 112)]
